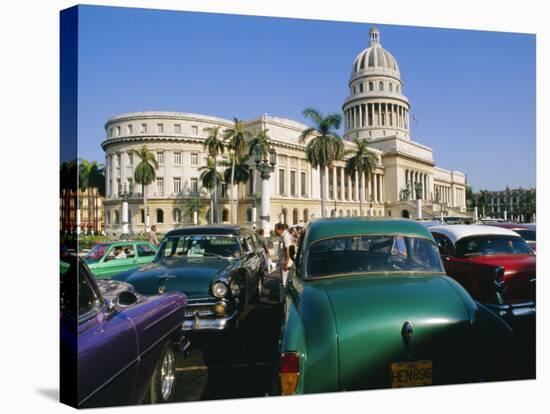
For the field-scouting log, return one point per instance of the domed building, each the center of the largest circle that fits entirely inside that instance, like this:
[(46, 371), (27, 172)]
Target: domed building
[(375, 110)]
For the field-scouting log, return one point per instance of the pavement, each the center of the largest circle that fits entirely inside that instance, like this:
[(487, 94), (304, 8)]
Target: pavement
[(235, 365)]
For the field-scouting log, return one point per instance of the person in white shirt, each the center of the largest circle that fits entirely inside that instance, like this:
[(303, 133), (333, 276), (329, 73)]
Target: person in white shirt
[(285, 241)]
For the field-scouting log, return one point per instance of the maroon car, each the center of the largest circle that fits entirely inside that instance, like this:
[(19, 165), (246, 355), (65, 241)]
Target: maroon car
[(527, 231), (495, 265)]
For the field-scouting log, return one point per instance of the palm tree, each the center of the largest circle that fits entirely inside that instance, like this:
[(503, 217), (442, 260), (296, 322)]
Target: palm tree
[(325, 147), (191, 205), (209, 177), (240, 171), (363, 161), (145, 174), (214, 146), (236, 139), (484, 200)]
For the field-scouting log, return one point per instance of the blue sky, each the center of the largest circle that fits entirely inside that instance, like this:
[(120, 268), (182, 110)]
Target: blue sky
[(472, 92)]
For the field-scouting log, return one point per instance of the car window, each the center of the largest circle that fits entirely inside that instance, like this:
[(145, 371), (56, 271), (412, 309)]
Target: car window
[(96, 253), (88, 298), (491, 245), (444, 245), (199, 246), (372, 253), (247, 243), (529, 235), (145, 250), (126, 251)]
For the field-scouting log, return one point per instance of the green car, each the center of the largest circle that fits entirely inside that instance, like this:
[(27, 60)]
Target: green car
[(108, 259), (368, 305)]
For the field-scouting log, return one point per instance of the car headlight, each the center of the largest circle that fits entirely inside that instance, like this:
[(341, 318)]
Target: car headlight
[(219, 289)]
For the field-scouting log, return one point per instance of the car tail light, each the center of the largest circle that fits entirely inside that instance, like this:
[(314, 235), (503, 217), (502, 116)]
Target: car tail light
[(289, 372)]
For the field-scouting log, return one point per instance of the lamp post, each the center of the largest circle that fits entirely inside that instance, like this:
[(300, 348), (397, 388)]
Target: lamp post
[(125, 235), (265, 167)]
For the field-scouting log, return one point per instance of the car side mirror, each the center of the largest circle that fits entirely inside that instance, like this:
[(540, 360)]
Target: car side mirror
[(123, 300)]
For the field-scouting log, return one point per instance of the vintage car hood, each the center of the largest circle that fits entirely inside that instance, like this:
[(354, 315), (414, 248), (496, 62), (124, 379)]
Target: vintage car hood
[(110, 289), (370, 312), (192, 276)]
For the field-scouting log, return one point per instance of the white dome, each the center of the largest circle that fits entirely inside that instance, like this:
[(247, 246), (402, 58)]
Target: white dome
[(375, 58)]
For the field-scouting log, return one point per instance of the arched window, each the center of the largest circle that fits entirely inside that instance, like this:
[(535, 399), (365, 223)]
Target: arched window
[(295, 216), (361, 87), (348, 213), (405, 214), (142, 216), (160, 215), (207, 215), (177, 215), (371, 86), (341, 213), (390, 87), (380, 86), (284, 214), (397, 88), (225, 215), (249, 215), (108, 217), (117, 217), (306, 215)]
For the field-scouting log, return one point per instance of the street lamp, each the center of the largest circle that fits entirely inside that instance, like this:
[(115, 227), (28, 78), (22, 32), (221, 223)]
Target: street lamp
[(265, 164), (418, 191)]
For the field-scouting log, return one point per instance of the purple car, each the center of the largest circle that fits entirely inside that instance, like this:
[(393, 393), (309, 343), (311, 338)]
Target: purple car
[(117, 347)]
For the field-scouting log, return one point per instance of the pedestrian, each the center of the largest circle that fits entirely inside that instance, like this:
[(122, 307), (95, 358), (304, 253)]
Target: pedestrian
[(153, 236), (285, 241), (261, 234)]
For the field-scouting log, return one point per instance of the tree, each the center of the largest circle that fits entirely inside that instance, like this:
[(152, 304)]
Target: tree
[(84, 185), (236, 141), (325, 147), (191, 205), (209, 177), (484, 195), (362, 161), (68, 186), (96, 181), (145, 174), (215, 147), (469, 196), (240, 171)]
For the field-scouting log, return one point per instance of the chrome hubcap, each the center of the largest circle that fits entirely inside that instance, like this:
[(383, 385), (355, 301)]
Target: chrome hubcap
[(167, 374)]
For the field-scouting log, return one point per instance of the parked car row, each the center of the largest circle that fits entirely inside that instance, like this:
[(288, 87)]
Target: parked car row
[(370, 303)]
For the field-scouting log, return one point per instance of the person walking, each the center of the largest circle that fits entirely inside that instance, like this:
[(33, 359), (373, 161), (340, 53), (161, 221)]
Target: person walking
[(285, 241), (153, 236)]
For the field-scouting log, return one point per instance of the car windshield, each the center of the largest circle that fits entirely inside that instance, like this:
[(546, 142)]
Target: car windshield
[(529, 235), (200, 246), (96, 253), (372, 254), (491, 245)]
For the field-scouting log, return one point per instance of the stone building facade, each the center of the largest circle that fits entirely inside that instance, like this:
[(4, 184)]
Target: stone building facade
[(376, 110)]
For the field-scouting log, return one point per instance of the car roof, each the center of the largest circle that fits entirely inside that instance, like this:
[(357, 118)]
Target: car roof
[(219, 229), (121, 242), (333, 227), (459, 231)]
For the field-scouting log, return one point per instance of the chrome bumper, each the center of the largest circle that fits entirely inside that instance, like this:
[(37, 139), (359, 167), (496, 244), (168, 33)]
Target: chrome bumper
[(516, 310), (197, 323)]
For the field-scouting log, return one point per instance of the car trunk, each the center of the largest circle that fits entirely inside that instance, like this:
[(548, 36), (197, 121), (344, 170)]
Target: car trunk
[(370, 314)]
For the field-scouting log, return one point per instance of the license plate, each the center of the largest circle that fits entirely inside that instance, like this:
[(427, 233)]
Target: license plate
[(411, 374)]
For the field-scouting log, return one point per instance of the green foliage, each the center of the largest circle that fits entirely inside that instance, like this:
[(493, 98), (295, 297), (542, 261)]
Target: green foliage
[(213, 144), (362, 161), (191, 205), (326, 146), (145, 171), (208, 172), (261, 139), (236, 138)]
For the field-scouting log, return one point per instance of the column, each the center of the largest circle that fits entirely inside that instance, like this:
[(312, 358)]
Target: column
[(334, 184), (382, 192), (108, 173), (343, 181), (360, 116)]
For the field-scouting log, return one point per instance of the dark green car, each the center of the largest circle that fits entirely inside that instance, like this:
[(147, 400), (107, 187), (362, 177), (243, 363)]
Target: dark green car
[(107, 259), (219, 268), (368, 305)]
